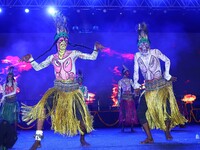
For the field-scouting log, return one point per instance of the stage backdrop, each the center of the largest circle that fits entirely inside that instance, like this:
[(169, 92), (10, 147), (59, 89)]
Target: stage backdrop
[(175, 33), (101, 75)]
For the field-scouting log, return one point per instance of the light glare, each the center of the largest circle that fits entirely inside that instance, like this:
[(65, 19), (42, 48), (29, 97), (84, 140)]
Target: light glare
[(51, 10), (26, 10)]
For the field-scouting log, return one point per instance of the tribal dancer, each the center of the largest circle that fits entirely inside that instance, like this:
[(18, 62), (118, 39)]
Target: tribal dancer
[(158, 107), (10, 109), (127, 113), (64, 103), (9, 112)]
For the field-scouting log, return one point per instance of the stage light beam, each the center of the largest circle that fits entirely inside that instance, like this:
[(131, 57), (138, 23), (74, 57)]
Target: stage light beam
[(26, 10), (51, 10)]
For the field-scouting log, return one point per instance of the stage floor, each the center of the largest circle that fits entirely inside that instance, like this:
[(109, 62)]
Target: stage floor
[(114, 139)]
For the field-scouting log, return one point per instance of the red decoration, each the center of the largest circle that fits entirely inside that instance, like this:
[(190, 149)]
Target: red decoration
[(189, 98)]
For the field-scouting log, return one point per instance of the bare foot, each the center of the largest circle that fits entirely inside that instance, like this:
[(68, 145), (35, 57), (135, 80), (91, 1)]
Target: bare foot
[(36, 144), (84, 143), (168, 135), (147, 141)]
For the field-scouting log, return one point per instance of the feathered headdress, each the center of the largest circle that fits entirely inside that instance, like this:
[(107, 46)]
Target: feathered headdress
[(142, 33), (61, 23)]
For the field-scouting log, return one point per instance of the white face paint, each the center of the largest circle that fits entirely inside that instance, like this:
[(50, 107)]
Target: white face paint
[(144, 48)]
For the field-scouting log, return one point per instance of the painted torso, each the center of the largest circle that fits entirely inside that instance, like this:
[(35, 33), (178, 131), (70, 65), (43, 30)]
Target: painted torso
[(149, 65), (125, 86), (64, 68)]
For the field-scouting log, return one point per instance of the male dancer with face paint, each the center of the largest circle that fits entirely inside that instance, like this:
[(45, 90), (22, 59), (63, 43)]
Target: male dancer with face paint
[(158, 107), (64, 103), (127, 113)]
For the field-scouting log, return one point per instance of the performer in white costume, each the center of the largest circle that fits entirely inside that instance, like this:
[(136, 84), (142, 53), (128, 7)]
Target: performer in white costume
[(158, 107)]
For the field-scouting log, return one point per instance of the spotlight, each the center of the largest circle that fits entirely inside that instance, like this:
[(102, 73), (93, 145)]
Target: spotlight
[(0, 10), (26, 10), (52, 11), (134, 11), (78, 10), (104, 10)]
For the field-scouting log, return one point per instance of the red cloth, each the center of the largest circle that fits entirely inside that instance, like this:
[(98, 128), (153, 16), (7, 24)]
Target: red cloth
[(9, 89), (127, 112)]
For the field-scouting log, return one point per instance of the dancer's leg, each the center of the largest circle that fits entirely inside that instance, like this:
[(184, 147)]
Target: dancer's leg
[(141, 112), (82, 136), (167, 132), (38, 135), (168, 123)]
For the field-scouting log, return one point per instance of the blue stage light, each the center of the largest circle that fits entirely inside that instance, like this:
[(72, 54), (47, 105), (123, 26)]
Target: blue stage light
[(26, 10), (52, 10)]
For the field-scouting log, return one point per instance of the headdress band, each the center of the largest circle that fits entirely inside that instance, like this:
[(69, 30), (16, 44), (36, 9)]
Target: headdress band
[(61, 34)]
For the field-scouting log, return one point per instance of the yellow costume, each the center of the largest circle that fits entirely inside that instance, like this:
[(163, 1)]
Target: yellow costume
[(66, 109)]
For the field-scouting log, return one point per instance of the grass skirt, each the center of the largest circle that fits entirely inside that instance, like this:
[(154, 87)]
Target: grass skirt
[(66, 110), (157, 112)]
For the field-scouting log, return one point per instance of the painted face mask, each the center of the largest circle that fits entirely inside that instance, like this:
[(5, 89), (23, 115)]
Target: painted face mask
[(61, 46), (144, 48), (62, 43)]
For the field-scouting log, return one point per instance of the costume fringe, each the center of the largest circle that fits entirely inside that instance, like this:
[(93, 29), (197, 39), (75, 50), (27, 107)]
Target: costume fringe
[(10, 111), (157, 112), (68, 110)]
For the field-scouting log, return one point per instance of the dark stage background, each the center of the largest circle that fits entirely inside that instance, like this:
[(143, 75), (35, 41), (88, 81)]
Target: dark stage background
[(176, 34)]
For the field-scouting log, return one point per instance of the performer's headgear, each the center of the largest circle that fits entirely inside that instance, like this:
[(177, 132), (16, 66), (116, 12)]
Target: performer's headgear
[(142, 33), (61, 23), (124, 69)]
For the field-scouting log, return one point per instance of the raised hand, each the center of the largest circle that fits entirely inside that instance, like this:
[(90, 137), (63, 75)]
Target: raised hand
[(26, 58), (99, 46)]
